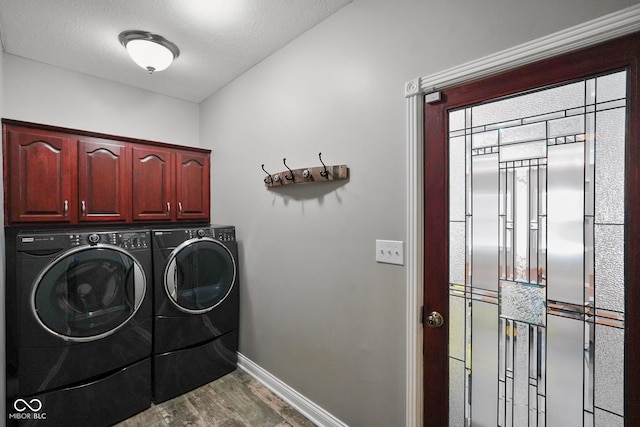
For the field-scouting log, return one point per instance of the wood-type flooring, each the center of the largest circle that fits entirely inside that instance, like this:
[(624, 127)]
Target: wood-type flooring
[(235, 400)]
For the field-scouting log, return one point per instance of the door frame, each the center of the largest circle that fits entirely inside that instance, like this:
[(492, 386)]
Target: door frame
[(608, 27)]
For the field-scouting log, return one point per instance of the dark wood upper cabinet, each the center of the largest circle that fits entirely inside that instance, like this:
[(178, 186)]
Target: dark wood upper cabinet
[(54, 175), (152, 180), (192, 185), (104, 189), (39, 169), (171, 184)]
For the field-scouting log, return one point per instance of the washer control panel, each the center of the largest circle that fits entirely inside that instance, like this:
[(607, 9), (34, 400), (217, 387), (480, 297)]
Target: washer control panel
[(123, 239)]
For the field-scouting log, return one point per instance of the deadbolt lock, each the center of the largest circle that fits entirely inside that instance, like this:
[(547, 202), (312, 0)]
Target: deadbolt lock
[(435, 320)]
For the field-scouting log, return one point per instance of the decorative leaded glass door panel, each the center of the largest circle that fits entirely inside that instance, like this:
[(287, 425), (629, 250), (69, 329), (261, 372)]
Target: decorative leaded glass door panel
[(538, 201)]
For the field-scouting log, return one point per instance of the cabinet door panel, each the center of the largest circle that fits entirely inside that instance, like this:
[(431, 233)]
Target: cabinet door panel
[(40, 176), (152, 195), (192, 185), (103, 184)]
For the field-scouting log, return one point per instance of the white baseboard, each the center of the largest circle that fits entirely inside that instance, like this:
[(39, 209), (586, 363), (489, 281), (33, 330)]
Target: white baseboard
[(303, 405)]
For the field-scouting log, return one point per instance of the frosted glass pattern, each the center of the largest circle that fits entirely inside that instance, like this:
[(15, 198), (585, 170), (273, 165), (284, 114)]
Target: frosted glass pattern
[(456, 393), (484, 139), (485, 225), (524, 303), (565, 229), (609, 267), (456, 120), (457, 253), (532, 104), (484, 384), (590, 159), (521, 225), (457, 178), (610, 126), (521, 375), (536, 257), (609, 374), (564, 371), (523, 133), (457, 327), (530, 150), (606, 419), (612, 86), (568, 126)]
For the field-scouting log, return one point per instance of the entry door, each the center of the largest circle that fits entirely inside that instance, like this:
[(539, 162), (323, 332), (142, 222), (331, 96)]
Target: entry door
[(532, 245)]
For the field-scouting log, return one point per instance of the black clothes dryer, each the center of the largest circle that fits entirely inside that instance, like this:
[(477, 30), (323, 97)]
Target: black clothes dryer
[(196, 302), (79, 325)]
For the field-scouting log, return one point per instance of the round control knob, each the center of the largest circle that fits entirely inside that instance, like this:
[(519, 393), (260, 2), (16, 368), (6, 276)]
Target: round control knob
[(94, 238), (201, 233)]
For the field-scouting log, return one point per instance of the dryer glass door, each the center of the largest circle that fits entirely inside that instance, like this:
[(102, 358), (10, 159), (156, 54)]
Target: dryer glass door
[(199, 275), (88, 292)]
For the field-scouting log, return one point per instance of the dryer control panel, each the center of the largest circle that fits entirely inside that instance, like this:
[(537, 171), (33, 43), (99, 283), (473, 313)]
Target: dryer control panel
[(198, 233), (225, 234)]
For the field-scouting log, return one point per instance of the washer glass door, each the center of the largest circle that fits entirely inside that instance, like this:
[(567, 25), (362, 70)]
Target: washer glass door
[(199, 275), (89, 292)]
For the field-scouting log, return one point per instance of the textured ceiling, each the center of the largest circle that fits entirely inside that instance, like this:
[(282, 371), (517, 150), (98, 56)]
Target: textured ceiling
[(218, 39)]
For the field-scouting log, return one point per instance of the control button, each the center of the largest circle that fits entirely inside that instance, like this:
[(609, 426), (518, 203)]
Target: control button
[(94, 238), (201, 233)]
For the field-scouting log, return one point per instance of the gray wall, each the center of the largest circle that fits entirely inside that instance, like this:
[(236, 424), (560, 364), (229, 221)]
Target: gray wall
[(41, 93), (316, 310)]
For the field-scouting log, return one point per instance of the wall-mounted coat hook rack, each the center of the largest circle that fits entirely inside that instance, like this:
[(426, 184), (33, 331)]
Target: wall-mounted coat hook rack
[(306, 175), (270, 179)]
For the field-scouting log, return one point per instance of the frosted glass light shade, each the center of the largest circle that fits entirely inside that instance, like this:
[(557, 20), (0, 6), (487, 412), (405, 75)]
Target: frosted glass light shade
[(150, 51), (149, 55)]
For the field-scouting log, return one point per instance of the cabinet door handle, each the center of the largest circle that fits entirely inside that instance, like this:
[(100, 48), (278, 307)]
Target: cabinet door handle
[(65, 208), (168, 208), (84, 208), (180, 208)]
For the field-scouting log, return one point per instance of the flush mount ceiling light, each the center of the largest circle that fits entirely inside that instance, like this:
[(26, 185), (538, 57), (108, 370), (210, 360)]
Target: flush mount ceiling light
[(150, 51)]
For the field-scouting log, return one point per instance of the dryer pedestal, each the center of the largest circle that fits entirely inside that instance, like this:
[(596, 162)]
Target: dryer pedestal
[(198, 365)]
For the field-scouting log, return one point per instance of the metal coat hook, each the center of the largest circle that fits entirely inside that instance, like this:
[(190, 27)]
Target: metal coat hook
[(270, 181), (325, 173), (289, 177)]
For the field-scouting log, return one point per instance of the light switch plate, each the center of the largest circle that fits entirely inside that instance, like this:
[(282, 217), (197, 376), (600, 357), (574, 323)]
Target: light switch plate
[(390, 251)]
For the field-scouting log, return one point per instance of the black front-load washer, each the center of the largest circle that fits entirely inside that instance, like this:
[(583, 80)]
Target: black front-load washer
[(196, 301), (79, 325)]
